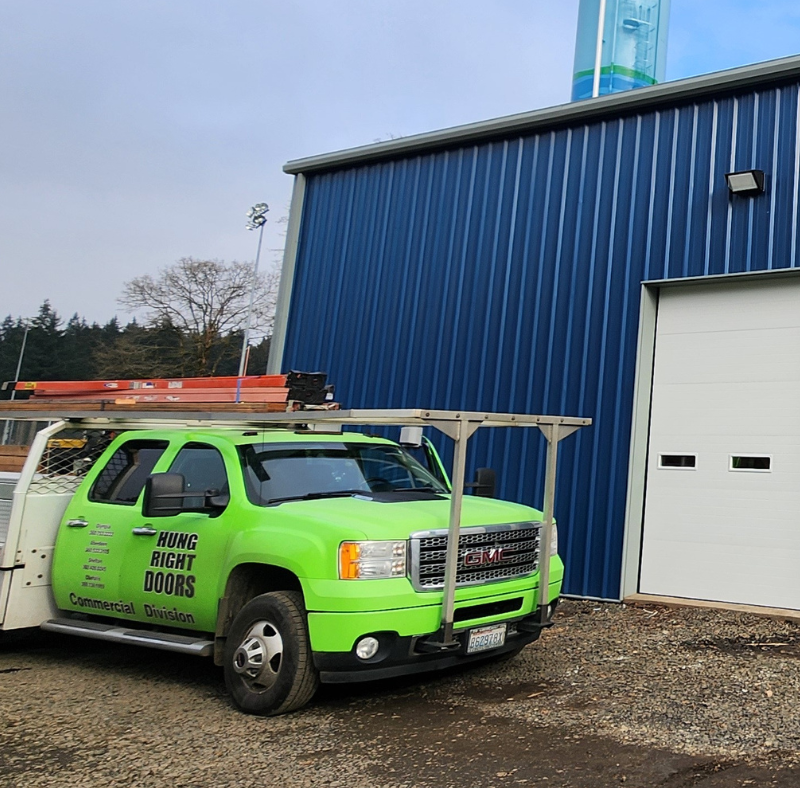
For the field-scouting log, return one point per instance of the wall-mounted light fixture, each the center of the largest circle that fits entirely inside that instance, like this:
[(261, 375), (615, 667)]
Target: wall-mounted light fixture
[(746, 182)]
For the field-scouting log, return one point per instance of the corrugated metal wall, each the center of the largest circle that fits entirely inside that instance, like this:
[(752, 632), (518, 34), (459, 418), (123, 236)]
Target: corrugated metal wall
[(505, 276)]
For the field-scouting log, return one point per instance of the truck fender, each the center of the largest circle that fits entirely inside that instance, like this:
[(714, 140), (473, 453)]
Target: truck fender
[(245, 582)]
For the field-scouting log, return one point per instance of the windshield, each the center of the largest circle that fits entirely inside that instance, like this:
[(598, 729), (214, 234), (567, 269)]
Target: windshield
[(292, 471)]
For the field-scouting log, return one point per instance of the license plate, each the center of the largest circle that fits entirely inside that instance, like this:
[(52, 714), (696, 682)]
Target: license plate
[(485, 638)]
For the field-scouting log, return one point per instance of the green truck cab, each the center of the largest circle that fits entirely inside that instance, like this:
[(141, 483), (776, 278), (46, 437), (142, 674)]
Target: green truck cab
[(309, 556)]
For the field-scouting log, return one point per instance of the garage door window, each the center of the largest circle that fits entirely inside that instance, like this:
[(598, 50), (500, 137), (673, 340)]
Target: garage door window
[(750, 462), (685, 462)]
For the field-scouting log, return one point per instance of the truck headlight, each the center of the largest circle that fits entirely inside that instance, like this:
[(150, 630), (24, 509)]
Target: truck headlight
[(554, 540), (371, 560)]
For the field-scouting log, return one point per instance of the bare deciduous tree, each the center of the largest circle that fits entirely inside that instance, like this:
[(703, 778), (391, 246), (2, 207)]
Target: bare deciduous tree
[(206, 302), (140, 352)]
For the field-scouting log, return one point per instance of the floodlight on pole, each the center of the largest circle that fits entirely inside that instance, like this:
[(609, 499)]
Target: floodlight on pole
[(256, 219)]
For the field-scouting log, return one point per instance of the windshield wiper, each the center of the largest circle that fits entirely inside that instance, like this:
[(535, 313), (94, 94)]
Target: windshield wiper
[(313, 496)]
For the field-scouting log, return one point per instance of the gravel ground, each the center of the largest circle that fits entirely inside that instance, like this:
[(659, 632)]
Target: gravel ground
[(696, 681), (609, 696)]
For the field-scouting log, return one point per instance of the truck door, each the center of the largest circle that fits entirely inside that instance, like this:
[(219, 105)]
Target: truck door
[(173, 563), (91, 542)]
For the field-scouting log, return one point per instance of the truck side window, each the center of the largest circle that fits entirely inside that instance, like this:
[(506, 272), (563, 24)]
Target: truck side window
[(203, 469), (125, 473)]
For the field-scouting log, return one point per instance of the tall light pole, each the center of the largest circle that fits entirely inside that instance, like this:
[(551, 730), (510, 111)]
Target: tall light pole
[(256, 219), (19, 361), (7, 427)]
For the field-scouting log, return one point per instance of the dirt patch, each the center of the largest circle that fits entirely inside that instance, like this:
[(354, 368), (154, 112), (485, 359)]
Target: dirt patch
[(431, 743), (509, 691), (19, 757), (775, 645)]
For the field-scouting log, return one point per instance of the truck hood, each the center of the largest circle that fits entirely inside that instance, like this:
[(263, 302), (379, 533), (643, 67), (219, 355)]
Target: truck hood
[(400, 519)]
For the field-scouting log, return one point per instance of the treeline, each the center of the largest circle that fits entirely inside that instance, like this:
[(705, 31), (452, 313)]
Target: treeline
[(74, 349)]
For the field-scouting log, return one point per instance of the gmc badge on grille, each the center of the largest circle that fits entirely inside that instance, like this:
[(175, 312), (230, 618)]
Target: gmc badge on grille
[(487, 555)]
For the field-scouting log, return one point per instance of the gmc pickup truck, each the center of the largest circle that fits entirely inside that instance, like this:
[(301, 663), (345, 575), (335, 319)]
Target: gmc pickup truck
[(292, 552)]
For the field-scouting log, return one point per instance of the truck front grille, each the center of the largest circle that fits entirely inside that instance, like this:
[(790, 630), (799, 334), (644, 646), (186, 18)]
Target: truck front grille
[(487, 554)]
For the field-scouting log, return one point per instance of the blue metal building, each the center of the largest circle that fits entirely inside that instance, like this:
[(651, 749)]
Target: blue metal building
[(499, 266)]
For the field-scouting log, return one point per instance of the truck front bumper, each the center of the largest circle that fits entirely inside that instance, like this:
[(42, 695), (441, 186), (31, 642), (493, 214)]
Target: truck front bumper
[(400, 655)]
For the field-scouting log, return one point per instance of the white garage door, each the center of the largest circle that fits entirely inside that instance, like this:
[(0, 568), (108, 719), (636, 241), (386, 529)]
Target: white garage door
[(722, 506)]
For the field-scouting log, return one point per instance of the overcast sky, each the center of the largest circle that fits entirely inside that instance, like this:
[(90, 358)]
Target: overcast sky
[(135, 132)]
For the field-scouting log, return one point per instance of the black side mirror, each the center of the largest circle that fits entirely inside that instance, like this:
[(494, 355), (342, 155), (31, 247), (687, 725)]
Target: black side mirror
[(163, 495), (485, 484)]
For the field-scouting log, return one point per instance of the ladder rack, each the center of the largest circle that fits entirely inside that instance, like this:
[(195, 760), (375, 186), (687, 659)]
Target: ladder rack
[(234, 415)]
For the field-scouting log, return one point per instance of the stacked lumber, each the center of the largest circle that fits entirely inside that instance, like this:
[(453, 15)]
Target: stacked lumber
[(12, 458), (251, 393)]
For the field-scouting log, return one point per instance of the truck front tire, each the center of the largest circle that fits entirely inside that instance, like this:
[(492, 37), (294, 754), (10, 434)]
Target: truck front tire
[(268, 665)]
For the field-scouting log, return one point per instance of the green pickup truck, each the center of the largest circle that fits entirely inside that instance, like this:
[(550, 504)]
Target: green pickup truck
[(289, 554)]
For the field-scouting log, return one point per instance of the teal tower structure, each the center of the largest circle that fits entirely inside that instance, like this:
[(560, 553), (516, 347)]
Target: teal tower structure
[(634, 45)]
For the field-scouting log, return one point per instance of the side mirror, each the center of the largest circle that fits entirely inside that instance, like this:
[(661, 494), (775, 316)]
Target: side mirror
[(163, 495), (485, 484)]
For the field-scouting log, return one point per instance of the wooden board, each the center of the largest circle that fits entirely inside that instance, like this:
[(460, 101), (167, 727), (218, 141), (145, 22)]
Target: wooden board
[(12, 458), (274, 395), (678, 602)]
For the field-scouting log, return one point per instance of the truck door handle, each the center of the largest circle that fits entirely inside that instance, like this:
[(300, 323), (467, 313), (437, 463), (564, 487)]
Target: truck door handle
[(145, 530), (78, 522)]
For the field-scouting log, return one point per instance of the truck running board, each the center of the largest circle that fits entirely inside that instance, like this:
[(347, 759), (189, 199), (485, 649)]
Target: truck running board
[(139, 637)]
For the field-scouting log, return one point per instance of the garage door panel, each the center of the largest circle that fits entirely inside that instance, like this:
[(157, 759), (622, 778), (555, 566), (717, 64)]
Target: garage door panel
[(762, 580), (732, 357), (707, 403), (726, 383), (713, 469), (713, 530), (707, 307)]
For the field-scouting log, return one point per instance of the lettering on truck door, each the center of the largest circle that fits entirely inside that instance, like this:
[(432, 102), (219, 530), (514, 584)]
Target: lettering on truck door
[(90, 549), (173, 563)]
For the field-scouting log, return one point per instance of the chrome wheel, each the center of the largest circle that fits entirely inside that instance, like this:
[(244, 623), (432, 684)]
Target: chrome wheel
[(268, 662), (259, 658)]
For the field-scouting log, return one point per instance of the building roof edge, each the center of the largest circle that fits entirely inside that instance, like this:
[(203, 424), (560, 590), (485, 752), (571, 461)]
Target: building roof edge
[(582, 111)]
